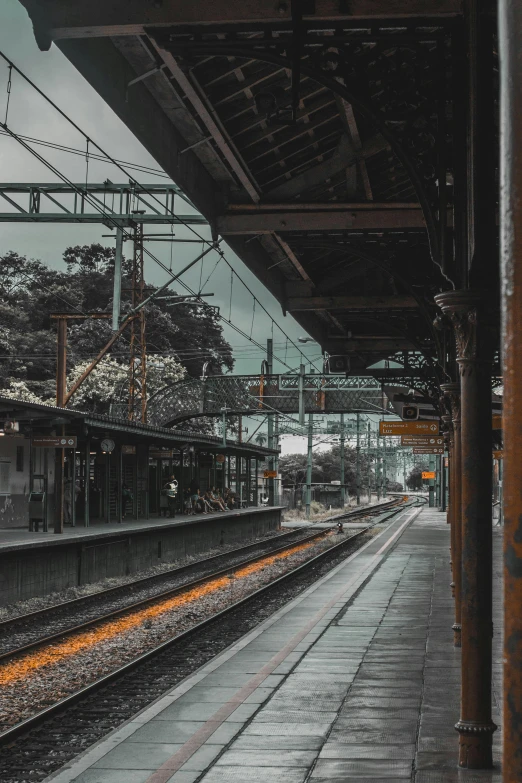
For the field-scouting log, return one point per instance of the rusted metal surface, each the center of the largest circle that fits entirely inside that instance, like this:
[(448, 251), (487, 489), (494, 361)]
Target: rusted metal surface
[(474, 337), (510, 27), (449, 444), (452, 392)]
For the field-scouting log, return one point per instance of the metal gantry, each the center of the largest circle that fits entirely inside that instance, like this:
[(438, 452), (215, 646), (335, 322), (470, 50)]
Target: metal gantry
[(107, 203)]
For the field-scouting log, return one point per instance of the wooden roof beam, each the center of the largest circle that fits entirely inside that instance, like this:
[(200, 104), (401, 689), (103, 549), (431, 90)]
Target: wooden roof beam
[(321, 217), (55, 19), (296, 303)]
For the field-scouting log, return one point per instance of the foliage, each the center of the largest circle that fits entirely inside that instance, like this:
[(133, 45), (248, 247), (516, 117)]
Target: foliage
[(414, 479), (326, 467), (18, 390), (261, 439), (185, 337), (108, 381)]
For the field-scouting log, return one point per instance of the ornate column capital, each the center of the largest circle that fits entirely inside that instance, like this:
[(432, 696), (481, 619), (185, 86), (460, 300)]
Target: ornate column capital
[(452, 393), (447, 430), (474, 326)]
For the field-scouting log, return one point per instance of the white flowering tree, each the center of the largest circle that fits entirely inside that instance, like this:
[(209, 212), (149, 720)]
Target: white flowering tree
[(109, 381), (18, 390)]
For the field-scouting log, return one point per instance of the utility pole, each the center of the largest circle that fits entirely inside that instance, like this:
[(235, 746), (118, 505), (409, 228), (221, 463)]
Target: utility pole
[(301, 394), (224, 411), (116, 295), (369, 462), (138, 351), (271, 483), (404, 470), (384, 469), (358, 463), (309, 465), (276, 459), (431, 482), (343, 490), (378, 467)]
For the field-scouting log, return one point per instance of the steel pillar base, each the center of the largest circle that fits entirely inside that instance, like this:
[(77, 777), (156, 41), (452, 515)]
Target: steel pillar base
[(457, 635), (475, 744)]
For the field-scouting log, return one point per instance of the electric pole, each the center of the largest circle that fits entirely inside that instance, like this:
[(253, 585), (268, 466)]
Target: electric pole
[(343, 490), (138, 349), (384, 468), (369, 462), (309, 465), (358, 463), (269, 365)]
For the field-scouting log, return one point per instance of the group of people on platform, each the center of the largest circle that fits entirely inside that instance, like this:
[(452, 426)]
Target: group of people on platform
[(197, 502), (194, 500)]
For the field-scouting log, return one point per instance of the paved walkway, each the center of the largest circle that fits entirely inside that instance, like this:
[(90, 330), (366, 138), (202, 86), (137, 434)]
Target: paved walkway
[(355, 680)]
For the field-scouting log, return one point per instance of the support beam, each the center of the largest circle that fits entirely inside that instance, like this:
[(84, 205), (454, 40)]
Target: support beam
[(452, 393), (55, 19), (474, 339), (343, 157), (320, 217), (351, 303), (343, 345), (510, 46)]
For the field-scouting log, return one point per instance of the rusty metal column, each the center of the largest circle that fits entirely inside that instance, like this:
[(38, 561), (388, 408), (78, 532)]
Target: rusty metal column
[(510, 44), (448, 441), (61, 362), (466, 311), (452, 392)]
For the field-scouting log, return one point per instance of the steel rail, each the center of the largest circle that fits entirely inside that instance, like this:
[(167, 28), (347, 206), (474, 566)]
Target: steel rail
[(9, 623), (142, 603), (40, 717)]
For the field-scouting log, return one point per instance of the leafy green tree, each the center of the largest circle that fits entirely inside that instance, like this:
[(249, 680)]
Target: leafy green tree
[(188, 335), (414, 479)]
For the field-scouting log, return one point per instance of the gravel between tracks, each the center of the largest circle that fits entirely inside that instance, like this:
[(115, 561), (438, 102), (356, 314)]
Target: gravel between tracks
[(80, 591), (32, 681)]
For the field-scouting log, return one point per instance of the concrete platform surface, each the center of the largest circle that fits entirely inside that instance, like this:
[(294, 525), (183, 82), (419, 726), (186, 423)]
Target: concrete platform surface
[(355, 680), (23, 539)]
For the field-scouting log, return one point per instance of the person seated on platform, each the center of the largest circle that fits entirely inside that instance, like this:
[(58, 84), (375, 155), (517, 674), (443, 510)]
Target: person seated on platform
[(216, 499), (230, 498), (212, 505)]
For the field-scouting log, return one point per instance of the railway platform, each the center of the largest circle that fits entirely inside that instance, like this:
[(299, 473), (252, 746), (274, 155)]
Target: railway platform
[(34, 564), (356, 679)]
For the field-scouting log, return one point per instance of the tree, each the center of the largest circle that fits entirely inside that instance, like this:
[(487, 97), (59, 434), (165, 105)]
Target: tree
[(414, 479), (187, 336), (326, 467), (261, 439)]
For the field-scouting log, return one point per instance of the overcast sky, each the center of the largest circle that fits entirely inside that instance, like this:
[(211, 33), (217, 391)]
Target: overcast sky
[(30, 115)]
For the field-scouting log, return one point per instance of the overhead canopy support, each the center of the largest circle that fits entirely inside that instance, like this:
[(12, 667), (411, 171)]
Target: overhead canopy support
[(320, 217), (97, 18), (350, 303)]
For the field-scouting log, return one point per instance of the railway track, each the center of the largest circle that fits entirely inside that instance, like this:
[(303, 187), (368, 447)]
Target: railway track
[(67, 727), (25, 632)]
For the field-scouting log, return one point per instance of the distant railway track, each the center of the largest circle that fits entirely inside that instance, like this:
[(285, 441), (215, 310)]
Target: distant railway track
[(76, 721)]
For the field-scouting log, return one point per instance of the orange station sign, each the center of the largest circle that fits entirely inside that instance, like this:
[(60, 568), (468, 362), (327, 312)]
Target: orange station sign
[(408, 428), (428, 474)]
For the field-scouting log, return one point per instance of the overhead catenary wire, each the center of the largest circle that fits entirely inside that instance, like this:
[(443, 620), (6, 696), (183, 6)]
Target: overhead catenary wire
[(152, 195), (114, 221)]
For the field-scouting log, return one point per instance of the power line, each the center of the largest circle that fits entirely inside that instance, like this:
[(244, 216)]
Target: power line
[(152, 195)]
